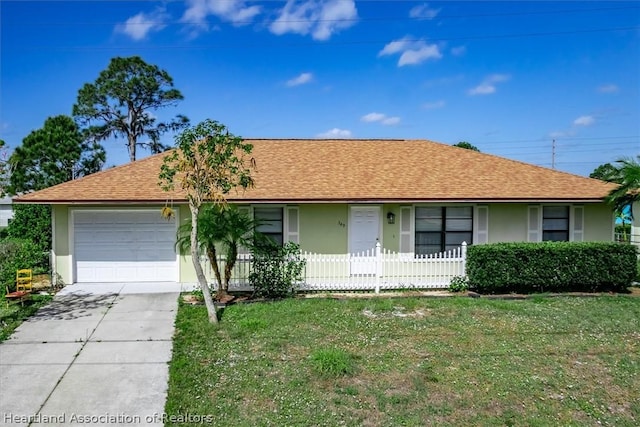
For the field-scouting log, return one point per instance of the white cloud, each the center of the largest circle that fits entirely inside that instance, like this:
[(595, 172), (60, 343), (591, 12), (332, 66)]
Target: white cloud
[(335, 133), (390, 121), (458, 50), (411, 51), (488, 85), (584, 121), (395, 46), (139, 26), (300, 80), (321, 18), (235, 11), (380, 118), (608, 88), (433, 105), (372, 117), (422, 11)]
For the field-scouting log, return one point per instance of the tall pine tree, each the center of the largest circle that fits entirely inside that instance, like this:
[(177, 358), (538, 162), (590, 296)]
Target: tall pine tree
[(51, 155)]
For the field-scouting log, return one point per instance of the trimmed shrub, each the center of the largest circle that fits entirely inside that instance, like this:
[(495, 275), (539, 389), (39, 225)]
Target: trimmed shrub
[(551, 267), (459, 284), (276, 270), (16, 254)]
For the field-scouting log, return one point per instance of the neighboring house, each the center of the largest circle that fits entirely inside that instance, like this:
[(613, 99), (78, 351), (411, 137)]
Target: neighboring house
[(332, 197), (6, 211)]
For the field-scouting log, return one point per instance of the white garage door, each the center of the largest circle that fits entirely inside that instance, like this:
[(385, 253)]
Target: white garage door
[(116, 246)]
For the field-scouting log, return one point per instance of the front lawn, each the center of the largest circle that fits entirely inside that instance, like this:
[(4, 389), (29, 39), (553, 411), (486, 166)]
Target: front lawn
[(13, 315), (410, 361)]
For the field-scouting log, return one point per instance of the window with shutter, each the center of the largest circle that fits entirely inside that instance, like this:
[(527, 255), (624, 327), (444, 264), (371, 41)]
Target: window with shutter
[(440, 228), (555, 223), (578, 224), (534, 224), (293, 226), (246, 210), (406, 230), (482, 225), (270, 223)]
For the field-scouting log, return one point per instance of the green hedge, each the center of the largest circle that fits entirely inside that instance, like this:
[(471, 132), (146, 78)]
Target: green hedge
[(551, 267), (16, 254)]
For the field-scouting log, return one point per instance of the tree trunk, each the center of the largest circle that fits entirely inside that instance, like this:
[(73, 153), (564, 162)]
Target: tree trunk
[(213, 259), (195, 257), (228, 268), (131, 145)]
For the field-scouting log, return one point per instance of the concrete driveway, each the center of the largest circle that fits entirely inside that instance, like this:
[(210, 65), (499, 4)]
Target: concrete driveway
[(99, 359)]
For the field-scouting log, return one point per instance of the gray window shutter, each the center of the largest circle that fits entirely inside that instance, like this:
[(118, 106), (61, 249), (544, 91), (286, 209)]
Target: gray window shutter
[(482, 225), (293, 226), (247, 211), (534, 223), (406, 230), (578, 224)]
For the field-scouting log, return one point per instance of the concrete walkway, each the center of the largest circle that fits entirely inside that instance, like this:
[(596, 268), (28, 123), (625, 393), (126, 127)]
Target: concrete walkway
[(87, 358)]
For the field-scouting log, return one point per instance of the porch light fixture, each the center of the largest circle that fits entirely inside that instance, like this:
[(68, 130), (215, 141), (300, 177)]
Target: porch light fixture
[(391, 218)]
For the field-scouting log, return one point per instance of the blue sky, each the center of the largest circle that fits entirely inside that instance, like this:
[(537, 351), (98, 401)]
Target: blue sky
[(509, 77)]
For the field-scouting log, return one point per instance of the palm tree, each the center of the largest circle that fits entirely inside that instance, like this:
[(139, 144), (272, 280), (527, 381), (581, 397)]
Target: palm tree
[(239, 231), (220, 227), (628, 192)]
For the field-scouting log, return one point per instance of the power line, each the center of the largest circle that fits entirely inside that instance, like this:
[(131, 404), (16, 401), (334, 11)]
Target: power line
[(575, 138), (559, 153)]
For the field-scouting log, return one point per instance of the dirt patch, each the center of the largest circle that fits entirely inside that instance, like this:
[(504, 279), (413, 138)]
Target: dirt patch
[(41, 281), (365, 295)]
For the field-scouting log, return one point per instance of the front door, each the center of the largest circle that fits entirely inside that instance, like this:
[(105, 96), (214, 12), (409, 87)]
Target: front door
[(364, 233)]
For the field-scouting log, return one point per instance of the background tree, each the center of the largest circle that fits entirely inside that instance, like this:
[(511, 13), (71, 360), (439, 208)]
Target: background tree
[(207, 164), (606, 172), (51, 155), (628, 192), (33, 223), (4, 169), (121, 101), (467, 145), (226, 227)]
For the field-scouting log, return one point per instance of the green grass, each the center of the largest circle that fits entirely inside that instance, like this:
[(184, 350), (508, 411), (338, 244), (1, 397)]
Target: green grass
[(409, 361), (12, 316), (332, 362)]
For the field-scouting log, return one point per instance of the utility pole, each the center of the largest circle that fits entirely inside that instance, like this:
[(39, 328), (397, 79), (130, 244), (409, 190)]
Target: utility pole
[(553, 154)]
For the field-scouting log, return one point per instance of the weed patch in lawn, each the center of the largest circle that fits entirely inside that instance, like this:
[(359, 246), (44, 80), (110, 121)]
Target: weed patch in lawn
[(332, 362)]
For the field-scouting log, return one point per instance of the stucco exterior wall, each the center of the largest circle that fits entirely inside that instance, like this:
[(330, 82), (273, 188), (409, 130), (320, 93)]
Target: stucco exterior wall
[(635, 226), (599, 223), (187, 272), (390, 232), (507, 222), (323, 228), (61, 249)]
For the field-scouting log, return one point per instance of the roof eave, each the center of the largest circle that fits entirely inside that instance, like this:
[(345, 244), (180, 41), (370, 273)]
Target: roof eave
[(320, 200)]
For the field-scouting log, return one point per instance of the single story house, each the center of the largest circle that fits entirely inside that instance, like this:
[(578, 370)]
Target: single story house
[(330, 196), (6, 211)]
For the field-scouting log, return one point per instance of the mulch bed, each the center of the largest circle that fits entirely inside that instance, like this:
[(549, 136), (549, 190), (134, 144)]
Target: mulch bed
[(239, 298)]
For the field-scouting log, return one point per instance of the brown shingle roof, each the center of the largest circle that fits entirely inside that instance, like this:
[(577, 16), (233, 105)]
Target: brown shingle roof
[(348, 170)]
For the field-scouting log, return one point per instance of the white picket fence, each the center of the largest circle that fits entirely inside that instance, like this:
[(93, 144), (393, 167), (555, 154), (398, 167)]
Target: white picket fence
[(373, 270)]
